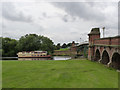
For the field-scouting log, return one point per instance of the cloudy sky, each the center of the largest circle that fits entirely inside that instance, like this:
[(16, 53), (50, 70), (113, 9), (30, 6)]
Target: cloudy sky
[(62, 22)]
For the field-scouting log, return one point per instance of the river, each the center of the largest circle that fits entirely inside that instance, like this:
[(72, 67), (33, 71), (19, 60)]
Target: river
[(54, 58)]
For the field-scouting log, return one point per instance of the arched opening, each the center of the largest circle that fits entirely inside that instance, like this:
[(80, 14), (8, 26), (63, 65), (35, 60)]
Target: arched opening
[(105, 58), (97, 55), (116, 61)]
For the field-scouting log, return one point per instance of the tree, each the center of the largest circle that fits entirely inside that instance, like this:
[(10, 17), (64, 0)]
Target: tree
[(9, 47), (58, 46), (64, 45), (29, 43), (34, 42), (47, 45), (69, 44)]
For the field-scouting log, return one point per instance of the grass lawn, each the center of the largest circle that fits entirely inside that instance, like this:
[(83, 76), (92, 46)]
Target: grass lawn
[(57, 74), (62, 49)]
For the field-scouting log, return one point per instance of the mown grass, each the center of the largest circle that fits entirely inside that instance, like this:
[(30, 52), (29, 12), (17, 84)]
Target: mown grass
[(62, 49), (57, 74)]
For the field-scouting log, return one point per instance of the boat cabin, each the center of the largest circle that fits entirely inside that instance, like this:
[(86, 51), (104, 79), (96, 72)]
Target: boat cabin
[(32, 54)]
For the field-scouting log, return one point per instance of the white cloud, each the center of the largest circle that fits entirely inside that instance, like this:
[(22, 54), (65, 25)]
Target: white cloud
[(9, 12), (62, 22)]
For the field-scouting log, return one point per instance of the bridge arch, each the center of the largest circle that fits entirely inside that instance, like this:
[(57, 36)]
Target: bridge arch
[(116, 60), (105, 57), (97, 55)]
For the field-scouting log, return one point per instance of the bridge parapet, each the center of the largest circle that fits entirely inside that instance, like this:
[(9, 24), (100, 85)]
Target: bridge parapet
[(104, 50), (115, 41)]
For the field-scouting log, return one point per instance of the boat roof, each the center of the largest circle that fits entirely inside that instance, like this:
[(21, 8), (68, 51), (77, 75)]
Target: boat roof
[(34, 51), (40, 51)]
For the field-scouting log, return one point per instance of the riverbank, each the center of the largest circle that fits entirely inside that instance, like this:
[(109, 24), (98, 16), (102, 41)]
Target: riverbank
[(57, 74), (53, 58)]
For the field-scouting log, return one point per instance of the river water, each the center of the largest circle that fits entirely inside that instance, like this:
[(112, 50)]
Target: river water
[(54, 58)]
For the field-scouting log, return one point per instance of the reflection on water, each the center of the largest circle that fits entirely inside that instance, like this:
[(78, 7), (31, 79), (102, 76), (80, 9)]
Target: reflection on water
[(34, 59), (61, 57), (54, 58), (9, 58)]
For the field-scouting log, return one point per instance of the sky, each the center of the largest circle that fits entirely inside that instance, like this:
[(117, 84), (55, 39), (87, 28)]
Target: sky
[(62, 22)]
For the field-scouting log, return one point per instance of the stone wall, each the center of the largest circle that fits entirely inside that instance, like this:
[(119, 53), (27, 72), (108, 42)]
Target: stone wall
[(66, 53)]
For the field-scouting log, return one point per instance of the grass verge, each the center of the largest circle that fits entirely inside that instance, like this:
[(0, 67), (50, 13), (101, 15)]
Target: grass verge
[(57, 74)]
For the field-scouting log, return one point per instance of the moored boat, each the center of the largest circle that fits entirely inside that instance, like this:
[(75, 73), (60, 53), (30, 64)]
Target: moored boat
[(33, 54)]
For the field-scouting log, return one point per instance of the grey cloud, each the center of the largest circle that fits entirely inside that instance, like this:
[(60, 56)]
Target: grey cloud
[(68, 18), (82, 10), (15, 30), (44, 14), (92, 12), (9, 12), (74, 32), (14, 36), (3, 26), (65, 18)]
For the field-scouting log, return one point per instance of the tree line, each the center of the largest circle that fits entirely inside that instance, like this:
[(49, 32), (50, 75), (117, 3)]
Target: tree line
[(29, 42), (64, 45)]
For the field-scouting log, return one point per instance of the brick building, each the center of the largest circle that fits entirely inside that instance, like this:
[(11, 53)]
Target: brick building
[(104, 50)]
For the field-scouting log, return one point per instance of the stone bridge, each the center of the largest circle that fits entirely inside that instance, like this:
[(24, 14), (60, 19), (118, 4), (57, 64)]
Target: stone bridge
[(104, 50)]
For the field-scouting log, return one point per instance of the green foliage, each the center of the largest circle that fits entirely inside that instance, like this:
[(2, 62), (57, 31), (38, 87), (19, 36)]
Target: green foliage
[(0, 42), (34, 42), (64, 45), (69, 44), (47, 45), (9, 47), (86, 52), (83, 50), (63, 49), (29, 42), (58, 46)]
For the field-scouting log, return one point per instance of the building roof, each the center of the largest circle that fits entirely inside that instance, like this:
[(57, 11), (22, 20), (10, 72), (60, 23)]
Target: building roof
[(94, 31)]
